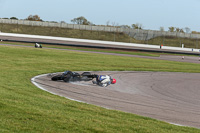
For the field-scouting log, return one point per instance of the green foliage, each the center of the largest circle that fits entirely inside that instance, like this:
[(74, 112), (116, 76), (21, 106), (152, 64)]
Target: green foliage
[(25, 108), (171, 29), (33, 18), (14, 18), (137, 26)]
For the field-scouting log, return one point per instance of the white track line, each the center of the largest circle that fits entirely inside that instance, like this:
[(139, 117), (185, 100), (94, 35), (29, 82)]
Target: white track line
[(36, 84)]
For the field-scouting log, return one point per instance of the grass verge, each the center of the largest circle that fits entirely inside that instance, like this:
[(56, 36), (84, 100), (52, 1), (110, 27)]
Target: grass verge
[(25, 108), (88, 49)]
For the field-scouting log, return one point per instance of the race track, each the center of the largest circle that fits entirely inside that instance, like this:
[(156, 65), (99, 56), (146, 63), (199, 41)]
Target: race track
[(190, 59), (166, 96)]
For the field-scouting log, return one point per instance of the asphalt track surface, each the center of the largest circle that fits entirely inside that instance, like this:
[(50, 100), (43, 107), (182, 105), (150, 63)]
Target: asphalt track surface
[(190, 59), (166, 96)]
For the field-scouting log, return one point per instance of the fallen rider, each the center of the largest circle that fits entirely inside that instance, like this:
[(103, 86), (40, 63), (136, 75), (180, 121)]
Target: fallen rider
[(69, 76), (103, 80)]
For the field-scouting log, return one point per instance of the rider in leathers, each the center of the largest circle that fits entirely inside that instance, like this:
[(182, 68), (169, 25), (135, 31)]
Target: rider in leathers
[(104, 80)]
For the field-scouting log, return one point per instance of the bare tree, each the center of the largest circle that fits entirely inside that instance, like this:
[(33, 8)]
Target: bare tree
[(63, 22), (81, 20), (125, 26), (187, 30), (113, 24), (162, 29), (108, 22)]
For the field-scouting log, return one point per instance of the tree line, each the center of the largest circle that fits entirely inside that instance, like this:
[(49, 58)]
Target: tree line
[(83, 21)]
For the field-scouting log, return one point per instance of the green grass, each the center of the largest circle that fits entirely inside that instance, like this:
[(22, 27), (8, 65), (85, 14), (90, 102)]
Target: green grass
[(88, 49), (26, 108), (153, 54)]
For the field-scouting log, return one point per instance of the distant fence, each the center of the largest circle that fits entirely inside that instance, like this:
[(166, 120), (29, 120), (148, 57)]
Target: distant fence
[(135, 33)]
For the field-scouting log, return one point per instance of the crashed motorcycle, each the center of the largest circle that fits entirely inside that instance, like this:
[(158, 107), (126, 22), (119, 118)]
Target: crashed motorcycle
[(69, 76)]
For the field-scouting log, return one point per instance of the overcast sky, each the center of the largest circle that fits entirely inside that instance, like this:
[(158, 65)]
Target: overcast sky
[(152, 14)]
